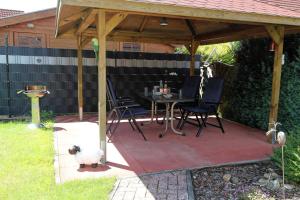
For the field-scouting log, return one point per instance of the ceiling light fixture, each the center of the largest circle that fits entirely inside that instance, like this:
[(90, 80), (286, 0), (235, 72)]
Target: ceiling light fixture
[(164, 22)]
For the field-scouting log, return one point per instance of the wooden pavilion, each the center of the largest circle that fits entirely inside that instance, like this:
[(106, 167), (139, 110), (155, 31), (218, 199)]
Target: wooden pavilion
[(186, 22)]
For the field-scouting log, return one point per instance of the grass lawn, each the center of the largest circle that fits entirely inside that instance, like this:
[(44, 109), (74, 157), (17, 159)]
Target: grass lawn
[(27, 171)]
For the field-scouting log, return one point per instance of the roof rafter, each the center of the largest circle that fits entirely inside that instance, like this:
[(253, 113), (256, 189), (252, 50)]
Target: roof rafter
[(87, 20), (190, 25), (73, 17), (114, 22), (143, 24)]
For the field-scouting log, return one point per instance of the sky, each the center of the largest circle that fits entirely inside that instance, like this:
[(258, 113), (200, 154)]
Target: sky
[(28, 5)]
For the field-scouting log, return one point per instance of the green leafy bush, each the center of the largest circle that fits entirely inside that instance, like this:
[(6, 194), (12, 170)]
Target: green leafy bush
[(249, 101), (225, 52), (291, 157)]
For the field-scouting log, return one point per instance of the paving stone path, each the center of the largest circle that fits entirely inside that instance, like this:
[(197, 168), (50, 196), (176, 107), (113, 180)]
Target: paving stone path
[(175, 185)]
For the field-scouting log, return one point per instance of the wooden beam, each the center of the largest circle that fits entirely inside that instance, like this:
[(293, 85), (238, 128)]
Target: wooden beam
[(73, 17), (126, 38), (193, 50), (114, 22), (232, 35), (133, 36), (151, 34), (188, 47), (143, 24), (101, 28), (173, 10), (274, 33), (85, 41), (162, 40), (80, 77), (276, 76), (66, 27), (190, 25), (87, 20)]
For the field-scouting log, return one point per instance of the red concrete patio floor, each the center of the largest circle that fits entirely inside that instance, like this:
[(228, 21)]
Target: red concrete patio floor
[(129, 154)]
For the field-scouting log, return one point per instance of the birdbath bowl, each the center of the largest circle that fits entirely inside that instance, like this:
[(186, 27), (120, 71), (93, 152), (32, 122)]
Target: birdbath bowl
[(35, 92)]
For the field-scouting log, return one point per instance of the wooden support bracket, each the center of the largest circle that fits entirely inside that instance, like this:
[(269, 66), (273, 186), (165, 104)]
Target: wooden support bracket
[(114, 22), (275, 33), (88, 19)]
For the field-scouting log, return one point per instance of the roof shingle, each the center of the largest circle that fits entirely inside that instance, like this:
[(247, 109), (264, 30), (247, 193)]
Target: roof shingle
[(266, 7), (7, 13)]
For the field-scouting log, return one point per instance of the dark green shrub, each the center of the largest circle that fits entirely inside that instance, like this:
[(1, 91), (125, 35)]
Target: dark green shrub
[(249, 101), (291, 157), (47, 115)]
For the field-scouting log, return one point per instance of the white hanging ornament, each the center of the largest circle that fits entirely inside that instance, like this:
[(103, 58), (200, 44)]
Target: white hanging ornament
[(281, 138)]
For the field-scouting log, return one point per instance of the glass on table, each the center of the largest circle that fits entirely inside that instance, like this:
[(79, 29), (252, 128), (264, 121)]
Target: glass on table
[(180, 93), (146, 91)]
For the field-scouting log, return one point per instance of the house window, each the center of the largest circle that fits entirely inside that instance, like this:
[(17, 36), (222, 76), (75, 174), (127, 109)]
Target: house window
[(2, 39), (132, 47), (30, 40), (26, 41)]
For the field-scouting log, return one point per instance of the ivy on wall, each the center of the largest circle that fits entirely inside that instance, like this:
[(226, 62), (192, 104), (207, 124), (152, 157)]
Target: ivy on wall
[(249, 101)]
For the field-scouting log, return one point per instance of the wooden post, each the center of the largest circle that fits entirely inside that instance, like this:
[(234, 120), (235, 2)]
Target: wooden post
[(193, 50), (101, 28), (80, 77), (276, 74)]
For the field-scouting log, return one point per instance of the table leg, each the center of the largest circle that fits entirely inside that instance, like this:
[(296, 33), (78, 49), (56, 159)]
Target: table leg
[(152, 111), (166, 121), (172, 120), (156, 116)]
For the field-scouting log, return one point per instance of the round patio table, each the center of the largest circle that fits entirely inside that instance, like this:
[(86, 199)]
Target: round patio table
[(161, 99)]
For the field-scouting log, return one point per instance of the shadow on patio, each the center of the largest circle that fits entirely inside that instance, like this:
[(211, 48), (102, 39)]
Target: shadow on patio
[(129, 154)]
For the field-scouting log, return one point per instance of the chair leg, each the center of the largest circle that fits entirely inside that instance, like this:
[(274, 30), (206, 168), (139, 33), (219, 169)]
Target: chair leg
[(129, 120), (115, 128), (108, 130), (203, 121), (181, 118), (220, 123), (138, 128), (200, 125), (184, 120)]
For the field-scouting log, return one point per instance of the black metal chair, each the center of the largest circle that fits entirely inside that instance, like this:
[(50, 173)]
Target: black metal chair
[(190, 89), (121, 99), (122, 110), (209, 105)]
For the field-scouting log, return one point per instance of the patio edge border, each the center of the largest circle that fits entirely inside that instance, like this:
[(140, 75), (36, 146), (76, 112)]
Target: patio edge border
[(115, 188), (56, 159), (190, 187)]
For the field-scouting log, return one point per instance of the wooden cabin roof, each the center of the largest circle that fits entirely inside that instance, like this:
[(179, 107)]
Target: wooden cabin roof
[(205, 21), (25, 17), (7, 12)]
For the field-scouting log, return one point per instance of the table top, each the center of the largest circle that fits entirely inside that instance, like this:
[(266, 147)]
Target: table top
[(163, 99)]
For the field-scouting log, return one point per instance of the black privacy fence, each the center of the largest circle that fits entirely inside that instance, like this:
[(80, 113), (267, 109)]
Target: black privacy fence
[(57, 69)]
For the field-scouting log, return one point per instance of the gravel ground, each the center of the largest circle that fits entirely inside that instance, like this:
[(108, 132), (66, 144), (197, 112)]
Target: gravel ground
[(248, 181)]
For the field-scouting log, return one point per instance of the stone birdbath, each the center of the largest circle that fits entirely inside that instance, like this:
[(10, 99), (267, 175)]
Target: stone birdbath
[(35, 92)]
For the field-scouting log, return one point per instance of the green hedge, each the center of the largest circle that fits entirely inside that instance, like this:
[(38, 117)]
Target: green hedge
[(250, 92)]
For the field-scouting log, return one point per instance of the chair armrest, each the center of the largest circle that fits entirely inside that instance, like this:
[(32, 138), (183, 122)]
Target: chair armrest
[(128, 106), (214, 103)]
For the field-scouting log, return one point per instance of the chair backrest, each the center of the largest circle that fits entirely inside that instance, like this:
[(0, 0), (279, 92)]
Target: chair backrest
[(111, 92), (190, 87), (213, 90)]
